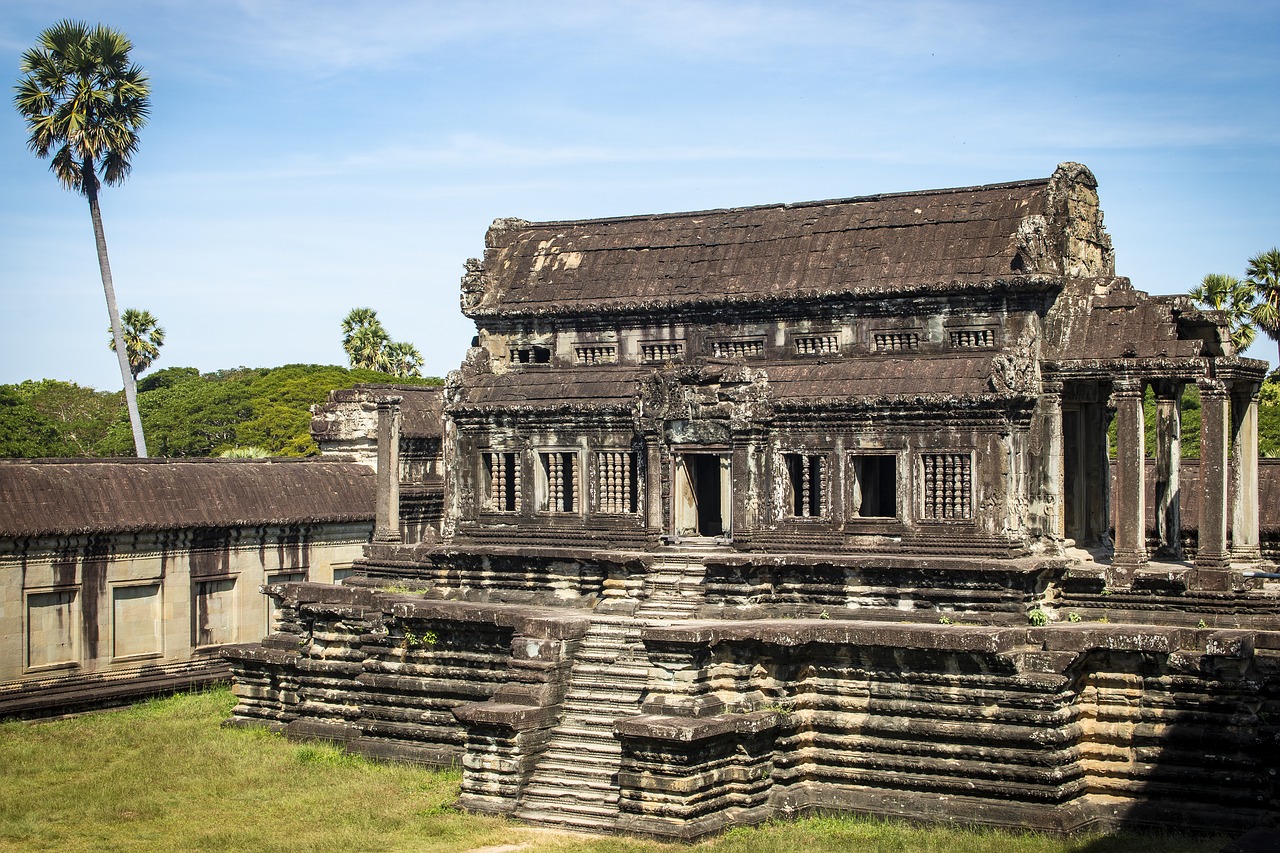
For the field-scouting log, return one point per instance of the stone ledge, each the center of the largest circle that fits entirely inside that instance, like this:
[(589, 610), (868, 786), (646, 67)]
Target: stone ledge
[(797, 632), (506, 714), (261, 653), (1123, 638), (691, 730)]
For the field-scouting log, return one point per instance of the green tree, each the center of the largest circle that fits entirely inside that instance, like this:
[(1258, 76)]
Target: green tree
[(1263, 274), (363, 338), (1233, 297), (143, 337), (83, 103), (401, 358), (369, 347), (50, 418), (192, 414)]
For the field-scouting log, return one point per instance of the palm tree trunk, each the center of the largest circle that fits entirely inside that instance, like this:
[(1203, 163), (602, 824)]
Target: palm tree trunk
[(104, 265)]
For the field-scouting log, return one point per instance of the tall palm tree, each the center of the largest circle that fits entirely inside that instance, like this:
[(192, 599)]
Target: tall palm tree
[(1233, 297), (84, 103), (143, 337), (1263, 274), (363, 338)]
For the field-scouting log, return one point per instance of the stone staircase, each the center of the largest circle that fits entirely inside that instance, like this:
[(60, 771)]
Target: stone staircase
[(575, 782), (674, 586), (574, 785)]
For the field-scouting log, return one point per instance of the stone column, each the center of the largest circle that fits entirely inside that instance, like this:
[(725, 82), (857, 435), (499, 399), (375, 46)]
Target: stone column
[(1213, 561), (1169, 468), (1130, 488), (386, 527), (1244, 475), (1051, 459)]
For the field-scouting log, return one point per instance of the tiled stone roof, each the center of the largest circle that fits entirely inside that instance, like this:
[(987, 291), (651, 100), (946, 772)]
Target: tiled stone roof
[(63, 496), (874, 244)]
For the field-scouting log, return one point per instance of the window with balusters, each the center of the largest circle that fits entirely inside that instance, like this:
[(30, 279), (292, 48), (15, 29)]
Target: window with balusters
[(817, 344), (896, 341), (737, 349), (659, 351), (596, 354), (948, 485), (501, 481), (806, 477), (972, 338), (616, 482), (558, 481)]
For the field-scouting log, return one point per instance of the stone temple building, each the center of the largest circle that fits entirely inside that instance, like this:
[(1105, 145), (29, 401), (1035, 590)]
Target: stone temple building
[(752, 512)]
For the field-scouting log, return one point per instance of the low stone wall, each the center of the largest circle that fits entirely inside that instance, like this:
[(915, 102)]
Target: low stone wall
[(385, 674)]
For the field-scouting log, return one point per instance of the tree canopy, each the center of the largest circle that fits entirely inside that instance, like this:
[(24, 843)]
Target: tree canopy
[(143, 337), (1263, 273), (369, 347), (186, 413), (1233, 297)]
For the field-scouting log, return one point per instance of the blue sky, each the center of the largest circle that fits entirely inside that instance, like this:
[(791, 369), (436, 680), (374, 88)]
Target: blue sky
[(304, 158)]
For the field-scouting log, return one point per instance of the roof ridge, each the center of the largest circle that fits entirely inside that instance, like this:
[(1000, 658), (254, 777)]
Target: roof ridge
[(787, 205)]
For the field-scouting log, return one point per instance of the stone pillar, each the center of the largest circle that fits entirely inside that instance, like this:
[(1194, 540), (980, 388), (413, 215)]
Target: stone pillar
[(1169, 468), (386, 527), (1130, 488), (1051, 473), (1213, 561), (1244, 475)]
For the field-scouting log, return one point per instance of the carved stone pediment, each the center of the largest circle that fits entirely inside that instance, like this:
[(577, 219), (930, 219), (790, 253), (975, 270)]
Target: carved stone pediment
[(734, 396)]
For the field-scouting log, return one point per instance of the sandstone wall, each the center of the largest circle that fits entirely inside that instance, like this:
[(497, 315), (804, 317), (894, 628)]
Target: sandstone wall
[(100, 619)]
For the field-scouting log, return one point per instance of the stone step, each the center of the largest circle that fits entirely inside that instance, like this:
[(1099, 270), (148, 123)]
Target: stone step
[(601, 789), (560, 811), (589, 714), (584, 766), (581, 747), (567, 731), (612, 671), (598, 690), (548, 816)]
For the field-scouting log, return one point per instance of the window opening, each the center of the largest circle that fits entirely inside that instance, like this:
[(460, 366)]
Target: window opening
[(596, 354), (502, 475), (558, 490), (737, 349), (973, 338), (661, 351), (896, 341), (806, 477), (874, 490), (530, 355), (948, 482), (817, 344), (616, 481)]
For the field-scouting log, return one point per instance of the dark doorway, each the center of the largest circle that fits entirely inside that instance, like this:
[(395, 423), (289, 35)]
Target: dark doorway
[(701, 498)]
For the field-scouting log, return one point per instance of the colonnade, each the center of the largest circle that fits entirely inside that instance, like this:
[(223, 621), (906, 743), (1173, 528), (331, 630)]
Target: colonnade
[(1228, 487)]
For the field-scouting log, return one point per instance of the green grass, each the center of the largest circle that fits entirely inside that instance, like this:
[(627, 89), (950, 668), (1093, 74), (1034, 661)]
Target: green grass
[(165, 776)]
